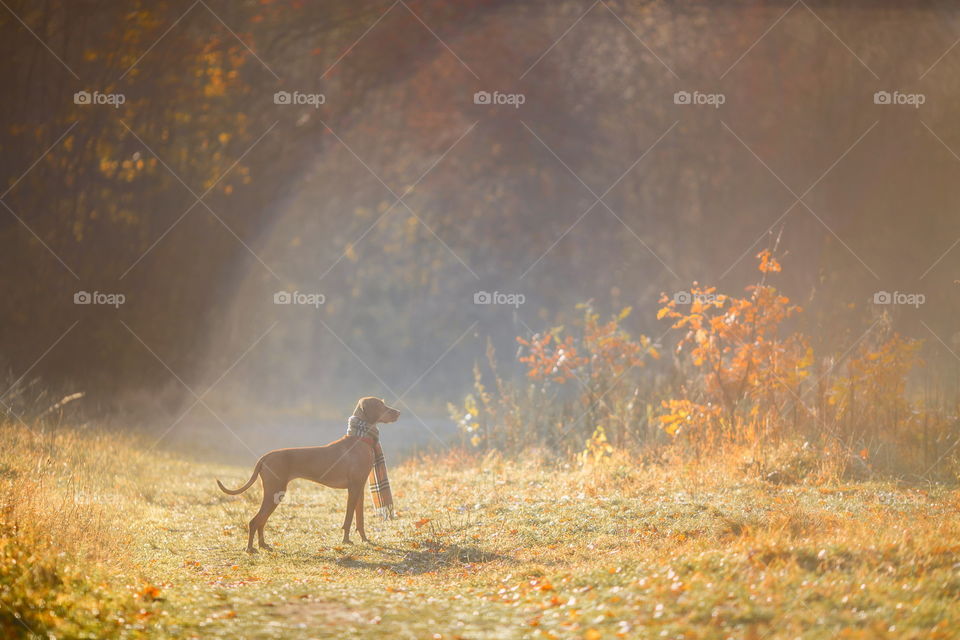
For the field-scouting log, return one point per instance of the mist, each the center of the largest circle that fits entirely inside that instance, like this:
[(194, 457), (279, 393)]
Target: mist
[(388, 170)]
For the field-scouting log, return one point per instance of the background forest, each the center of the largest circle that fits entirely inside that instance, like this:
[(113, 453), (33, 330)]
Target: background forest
[(396, 197)]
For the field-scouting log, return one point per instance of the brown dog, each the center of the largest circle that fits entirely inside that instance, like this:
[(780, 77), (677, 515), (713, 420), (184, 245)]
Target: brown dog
[(342, 464)]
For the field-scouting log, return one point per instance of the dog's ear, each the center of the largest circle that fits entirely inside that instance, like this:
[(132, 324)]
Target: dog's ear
[(370, 409), (359, 410)]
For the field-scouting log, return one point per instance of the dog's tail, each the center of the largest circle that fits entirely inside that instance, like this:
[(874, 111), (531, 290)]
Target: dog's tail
[(234, 492)]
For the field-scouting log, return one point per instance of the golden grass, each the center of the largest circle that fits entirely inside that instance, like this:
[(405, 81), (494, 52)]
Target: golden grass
[(484, 548)]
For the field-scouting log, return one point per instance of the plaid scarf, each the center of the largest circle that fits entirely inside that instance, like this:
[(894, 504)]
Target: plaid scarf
[(379, 483)]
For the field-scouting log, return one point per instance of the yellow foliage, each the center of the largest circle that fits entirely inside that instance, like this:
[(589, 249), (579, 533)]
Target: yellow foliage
[(597, 448)]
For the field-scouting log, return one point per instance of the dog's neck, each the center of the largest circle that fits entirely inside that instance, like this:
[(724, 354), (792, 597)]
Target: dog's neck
[(357, 426)]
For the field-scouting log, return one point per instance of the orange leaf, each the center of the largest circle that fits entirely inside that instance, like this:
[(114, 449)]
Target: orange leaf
[(149, 592)]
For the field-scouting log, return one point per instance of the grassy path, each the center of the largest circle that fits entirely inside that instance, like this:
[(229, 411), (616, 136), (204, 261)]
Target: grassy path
[(493, 549)]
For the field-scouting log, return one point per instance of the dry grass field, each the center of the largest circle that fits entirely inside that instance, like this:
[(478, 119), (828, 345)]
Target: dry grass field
[(100, 539)]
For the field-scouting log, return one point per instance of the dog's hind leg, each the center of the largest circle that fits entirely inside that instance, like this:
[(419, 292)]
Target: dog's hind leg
[(272, 495), (276, 498), (359, 514), (254, 523), (353, 494)]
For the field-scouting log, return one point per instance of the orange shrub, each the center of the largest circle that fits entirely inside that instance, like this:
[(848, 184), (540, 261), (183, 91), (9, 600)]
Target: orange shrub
[(579, 384), (748, 373), (744, 379)]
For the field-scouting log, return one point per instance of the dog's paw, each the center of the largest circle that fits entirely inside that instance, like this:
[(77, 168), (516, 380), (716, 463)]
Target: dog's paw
[(266, 546), (251, 550)]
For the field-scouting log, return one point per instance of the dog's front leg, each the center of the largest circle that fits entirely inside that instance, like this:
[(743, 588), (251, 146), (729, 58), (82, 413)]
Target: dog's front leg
[(353, 494), (359, 513)]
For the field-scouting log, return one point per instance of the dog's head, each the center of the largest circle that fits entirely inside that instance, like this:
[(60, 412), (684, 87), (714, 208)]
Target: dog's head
[(374, 410)]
